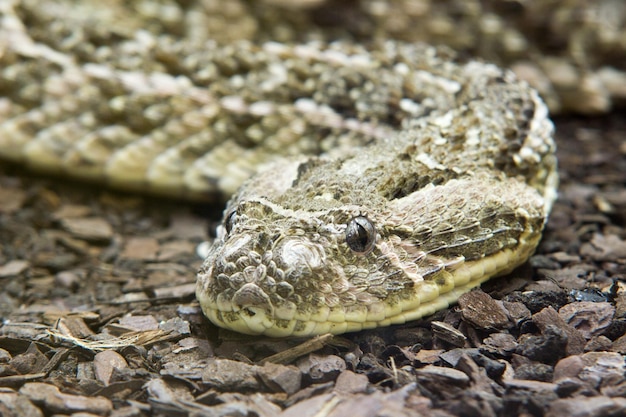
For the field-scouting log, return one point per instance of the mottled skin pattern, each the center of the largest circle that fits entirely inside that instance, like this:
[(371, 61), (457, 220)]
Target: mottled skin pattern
[(455, 190), (450, 163)]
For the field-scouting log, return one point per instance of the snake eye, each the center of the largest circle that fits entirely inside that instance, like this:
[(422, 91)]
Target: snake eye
[(360, 235), (230, 221)]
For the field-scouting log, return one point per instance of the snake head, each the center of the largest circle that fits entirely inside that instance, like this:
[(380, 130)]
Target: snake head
[(283, 272), (280, 268)]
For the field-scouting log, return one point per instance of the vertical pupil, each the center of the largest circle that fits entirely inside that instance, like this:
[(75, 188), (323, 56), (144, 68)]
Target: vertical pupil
[(362, 235), (230, 219)]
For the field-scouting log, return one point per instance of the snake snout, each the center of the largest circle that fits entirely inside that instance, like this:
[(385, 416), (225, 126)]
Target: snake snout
[(251, 297)]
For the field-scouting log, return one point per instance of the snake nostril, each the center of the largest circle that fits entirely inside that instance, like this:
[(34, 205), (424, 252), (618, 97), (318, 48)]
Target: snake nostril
[(251, 295)]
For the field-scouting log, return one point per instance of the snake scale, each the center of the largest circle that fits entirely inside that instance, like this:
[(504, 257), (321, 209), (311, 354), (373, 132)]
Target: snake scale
[(388, 177)]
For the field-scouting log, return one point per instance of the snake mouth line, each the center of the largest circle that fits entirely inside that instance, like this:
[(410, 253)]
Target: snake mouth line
[(253, 320)]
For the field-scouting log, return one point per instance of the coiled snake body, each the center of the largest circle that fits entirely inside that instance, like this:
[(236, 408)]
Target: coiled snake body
[(433, 174)]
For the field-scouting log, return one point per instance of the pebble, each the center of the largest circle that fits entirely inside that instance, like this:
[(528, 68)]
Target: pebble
[(500, 344), (350, 383), (50, 397), (605, 248), (321, 368), (12, 199), (105, 363), (139, 323), (447, 333), (548, 347), (441, 376), (589, 318), (575, 342), (569, 367), (141, 248), (587, 407), (280, 378), (13, 404), (603, 369), (92, 229), (478, 308), (13, 268), (229, 375), (619, 345)]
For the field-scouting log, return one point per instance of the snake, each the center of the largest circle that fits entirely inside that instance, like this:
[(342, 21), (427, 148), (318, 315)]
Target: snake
[(371, 182)]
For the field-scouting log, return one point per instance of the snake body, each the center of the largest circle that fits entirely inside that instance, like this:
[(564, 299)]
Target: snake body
[(387, 179)]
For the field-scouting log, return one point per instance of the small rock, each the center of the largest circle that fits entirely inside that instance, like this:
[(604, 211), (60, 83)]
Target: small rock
[(176, 324), (569, 367), (492, 367), (185, 226), (173, 250), (443, 376), (31, 361), (13, 268), (74, 326), (139, 323), (105, 363), (309, 392), (603, 368), (620, 305), (588, 294), (589, 318), (11, 199), (280, 378), (69, 279), (321, 368), (549, 317), (564, 257), (522, 395), (605, 248), (13, 404), (311, 407), (516, 311), (501, 344), (546, 262), (5, 356), (537, 301), (453, 356), (68, 211), (568, 387), (477, 373), (448, 333), (55, 401), (367, 405), (141, 248), (535, 371), (548, 347), (225, 375), (400, 356), (478, 308), (587, 407), (93, 229), (619, 345), (598, 343), (350, 383), (428, 356)]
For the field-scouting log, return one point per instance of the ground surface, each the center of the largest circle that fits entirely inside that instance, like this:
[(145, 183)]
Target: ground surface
[(99, 314)]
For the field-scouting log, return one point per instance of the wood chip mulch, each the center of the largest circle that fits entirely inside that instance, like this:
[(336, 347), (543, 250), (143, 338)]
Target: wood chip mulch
[(99, 316)]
